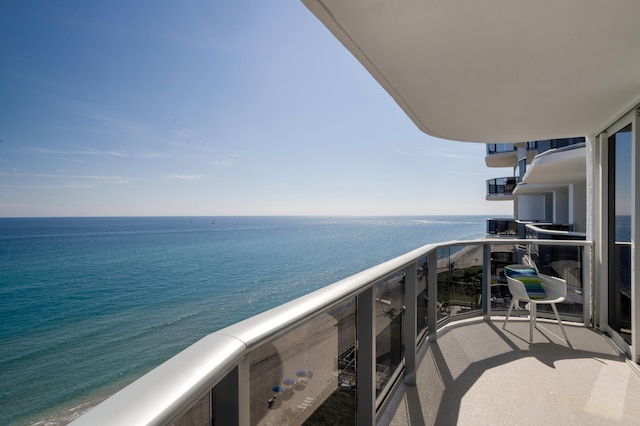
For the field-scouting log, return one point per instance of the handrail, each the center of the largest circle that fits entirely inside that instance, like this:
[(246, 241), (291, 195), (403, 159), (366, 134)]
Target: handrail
[(164, 394), (535, 228), (561, 149)]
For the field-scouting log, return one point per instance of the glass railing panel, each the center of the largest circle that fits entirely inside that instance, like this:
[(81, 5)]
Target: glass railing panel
[(459, 281), (494, 148), (506, 226), (620, 292), (548, 144), (501, 256), (307, 374), (422, 287), (200, 414), (465, 288), (502, 186), (389, 296), (443, 290), (564, 262)]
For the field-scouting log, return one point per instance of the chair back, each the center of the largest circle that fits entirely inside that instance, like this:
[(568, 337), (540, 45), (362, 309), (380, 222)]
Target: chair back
[(528, 277)]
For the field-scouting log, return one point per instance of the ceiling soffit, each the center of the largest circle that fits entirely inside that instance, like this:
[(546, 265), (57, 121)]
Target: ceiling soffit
[(497, 71)]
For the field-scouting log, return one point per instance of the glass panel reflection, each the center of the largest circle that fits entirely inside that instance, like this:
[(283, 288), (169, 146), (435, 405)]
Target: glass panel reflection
[(620, 211), (422, 295), (563, 262), (389, 295), (501, 256), (444, 270), (309, 368), (459, 280)]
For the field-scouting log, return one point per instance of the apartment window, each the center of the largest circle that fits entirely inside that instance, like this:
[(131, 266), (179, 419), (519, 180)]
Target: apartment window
[(620, 231)]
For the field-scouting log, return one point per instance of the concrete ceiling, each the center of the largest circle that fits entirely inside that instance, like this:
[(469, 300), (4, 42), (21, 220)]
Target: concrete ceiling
[(497, 70)]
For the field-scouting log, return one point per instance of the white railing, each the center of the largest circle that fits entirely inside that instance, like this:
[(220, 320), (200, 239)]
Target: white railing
[(217, 380), (564, 234)]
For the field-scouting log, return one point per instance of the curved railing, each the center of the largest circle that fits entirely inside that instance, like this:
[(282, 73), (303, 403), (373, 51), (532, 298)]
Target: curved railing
[(302, 359), (502, 185), (554, 232)]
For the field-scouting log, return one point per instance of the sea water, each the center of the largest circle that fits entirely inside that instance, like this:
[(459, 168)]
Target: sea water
[(89, 304)]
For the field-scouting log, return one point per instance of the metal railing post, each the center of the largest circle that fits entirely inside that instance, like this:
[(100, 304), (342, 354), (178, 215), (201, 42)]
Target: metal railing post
[(432, 293), (486, 281), (244, 393), (366, 358), (588, 302), (411, 324), (231, 397)]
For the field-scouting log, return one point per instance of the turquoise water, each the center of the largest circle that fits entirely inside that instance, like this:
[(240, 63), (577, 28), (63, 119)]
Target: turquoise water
[(89, 304)]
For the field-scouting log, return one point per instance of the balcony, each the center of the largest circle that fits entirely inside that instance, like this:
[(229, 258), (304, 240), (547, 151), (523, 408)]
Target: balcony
[(554, 168), (501, 227), (548, 144), (501, 188), (506, 154), (478, 373), (302, 363), (501, 155)]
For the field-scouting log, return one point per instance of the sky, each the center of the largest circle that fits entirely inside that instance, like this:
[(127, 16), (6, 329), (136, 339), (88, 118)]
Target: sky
[(206, 108)]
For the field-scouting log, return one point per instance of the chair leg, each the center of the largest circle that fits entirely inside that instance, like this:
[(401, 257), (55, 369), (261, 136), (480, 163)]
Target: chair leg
[(555, 311), (513, 303), (532, 319)]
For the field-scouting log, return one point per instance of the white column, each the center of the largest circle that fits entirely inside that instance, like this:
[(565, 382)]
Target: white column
[(600, 227), (593, 207)]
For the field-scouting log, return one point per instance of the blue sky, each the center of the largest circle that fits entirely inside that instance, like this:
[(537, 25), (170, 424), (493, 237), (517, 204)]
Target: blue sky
[(209, 108)]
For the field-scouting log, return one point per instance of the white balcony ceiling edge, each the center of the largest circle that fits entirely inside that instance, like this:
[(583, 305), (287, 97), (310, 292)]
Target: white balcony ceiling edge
[(500, 70), (562, 167)]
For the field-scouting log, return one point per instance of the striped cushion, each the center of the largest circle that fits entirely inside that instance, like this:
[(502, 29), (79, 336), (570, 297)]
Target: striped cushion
[(530, 279)]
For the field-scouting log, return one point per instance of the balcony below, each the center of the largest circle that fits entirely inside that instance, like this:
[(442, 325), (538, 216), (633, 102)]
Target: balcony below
[(478, 373), (502, 227), (501, 188)]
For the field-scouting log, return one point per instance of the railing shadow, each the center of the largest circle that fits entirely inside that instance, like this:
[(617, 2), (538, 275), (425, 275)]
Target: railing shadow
[(454, 388)]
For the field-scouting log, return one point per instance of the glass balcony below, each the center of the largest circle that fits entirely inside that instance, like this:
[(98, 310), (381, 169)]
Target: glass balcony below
[(501, 187), (502, 227)]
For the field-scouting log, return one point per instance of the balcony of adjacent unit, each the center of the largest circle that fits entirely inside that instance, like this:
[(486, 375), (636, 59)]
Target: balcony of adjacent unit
[(553, 168), (501, 189), (418, 339), (506, 154), (502, 227), (548, 144), (501, 154)]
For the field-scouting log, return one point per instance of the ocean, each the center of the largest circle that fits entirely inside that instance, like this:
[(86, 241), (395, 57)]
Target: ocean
[(88, 305)]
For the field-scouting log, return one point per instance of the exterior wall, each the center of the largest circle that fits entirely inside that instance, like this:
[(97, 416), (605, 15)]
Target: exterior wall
[(578, 207), (532, 207), (561, 205), (548, 207)]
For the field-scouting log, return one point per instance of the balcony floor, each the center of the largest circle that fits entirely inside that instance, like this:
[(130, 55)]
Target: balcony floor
[(477, 373)]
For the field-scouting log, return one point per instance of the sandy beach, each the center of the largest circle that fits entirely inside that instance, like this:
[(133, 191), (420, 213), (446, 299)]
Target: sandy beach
[(470, 256), (303, 364)]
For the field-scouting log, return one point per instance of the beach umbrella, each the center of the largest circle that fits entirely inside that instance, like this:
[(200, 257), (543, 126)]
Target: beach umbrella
[(302, 373), (288, 382), (278, 389)]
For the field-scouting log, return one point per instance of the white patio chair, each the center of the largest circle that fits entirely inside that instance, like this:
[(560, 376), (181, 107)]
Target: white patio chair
[(528, 285)]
